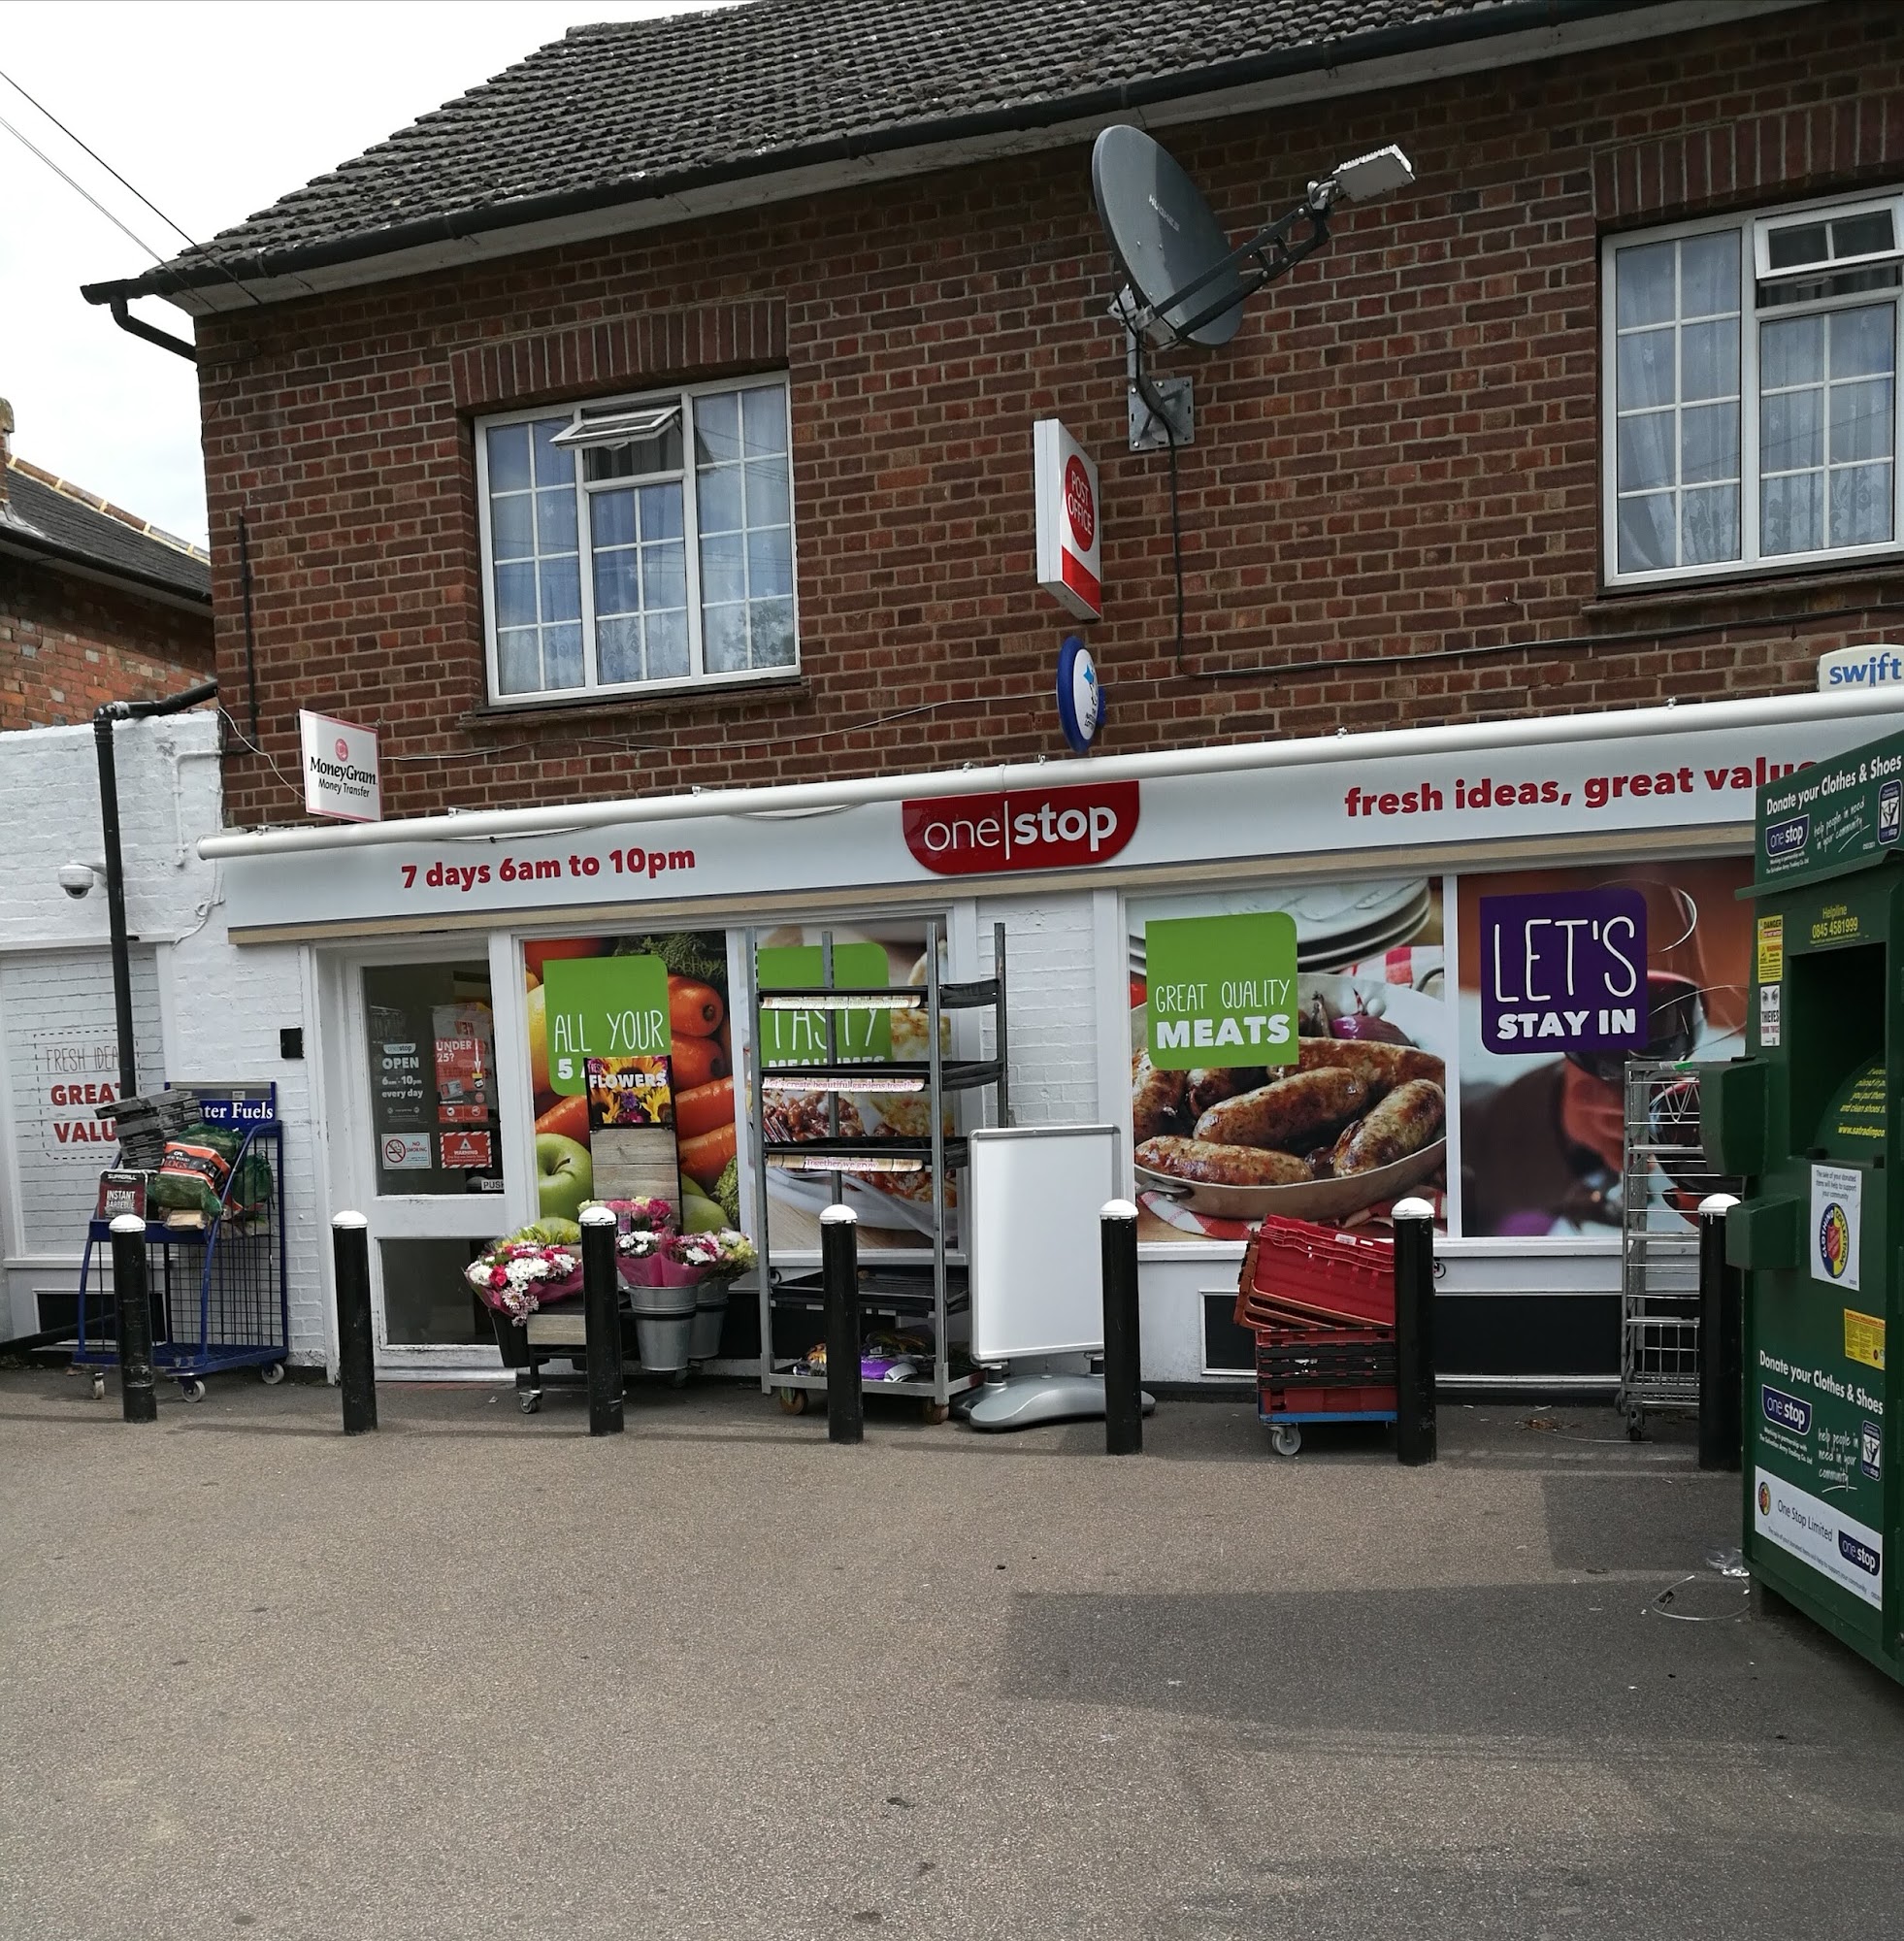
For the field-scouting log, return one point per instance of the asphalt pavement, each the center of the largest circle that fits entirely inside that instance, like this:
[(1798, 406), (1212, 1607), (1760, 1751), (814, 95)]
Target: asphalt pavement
[(479, 1675)]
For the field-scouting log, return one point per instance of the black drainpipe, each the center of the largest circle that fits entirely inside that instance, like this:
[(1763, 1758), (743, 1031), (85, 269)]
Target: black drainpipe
[(137, 326), (103, 722), (250, 632)]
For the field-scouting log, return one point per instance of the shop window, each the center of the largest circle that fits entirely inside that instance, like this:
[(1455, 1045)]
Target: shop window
[(637, 543), (1751, 392)]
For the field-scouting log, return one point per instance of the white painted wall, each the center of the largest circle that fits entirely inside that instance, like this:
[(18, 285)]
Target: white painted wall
[(1051, 986), (214, 1012)]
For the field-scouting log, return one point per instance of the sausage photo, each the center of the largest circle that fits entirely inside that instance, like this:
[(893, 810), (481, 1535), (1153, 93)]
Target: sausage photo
[(1209, 1164), (1408, 1119), (1156, 1097), (1382, 1065), (1292, 1113), (1210, 1086)]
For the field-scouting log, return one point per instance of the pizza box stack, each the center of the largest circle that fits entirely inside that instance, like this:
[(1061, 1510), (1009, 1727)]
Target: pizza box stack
[(1321, 1303), (144, 1122)]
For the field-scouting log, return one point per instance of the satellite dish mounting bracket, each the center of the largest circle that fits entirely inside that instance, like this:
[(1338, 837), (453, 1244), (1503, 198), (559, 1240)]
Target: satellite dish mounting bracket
[(1271, 252), (1162, 410)]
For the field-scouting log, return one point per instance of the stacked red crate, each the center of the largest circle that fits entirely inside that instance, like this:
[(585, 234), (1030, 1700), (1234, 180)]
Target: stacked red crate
[(1321, 1303)]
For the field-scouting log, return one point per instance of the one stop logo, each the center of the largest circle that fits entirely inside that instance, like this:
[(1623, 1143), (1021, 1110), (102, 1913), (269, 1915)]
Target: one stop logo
[(1029, 829), (1080, 503)]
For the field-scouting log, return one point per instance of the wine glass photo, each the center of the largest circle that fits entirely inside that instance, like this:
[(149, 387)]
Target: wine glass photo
[(1676, 1001)]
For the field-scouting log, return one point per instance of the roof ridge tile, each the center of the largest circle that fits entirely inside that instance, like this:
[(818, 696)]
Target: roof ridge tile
[(68, 489)]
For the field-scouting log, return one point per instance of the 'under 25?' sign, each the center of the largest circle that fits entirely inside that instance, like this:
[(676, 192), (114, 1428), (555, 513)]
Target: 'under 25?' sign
[(1220, 990)]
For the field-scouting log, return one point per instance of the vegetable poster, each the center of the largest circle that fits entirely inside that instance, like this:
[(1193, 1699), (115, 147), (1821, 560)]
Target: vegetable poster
[(631, 1034)]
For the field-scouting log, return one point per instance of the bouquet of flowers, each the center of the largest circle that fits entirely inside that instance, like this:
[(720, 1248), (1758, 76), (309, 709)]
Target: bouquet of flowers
[(641, 1223), (516, 1277), (643, 1214), (716, 1256)]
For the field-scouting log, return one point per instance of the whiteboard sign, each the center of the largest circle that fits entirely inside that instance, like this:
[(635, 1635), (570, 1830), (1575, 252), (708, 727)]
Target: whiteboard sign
[(1035, 1196)]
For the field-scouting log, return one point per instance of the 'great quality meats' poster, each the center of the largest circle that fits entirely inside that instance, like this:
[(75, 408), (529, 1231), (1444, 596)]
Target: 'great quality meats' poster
[(1320, 1089)]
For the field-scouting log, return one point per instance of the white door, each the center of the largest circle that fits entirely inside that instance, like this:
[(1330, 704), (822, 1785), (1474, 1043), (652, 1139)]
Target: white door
[(433, 1130)]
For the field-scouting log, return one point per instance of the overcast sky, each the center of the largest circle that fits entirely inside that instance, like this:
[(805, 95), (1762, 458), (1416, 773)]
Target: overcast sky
[(211, 112)]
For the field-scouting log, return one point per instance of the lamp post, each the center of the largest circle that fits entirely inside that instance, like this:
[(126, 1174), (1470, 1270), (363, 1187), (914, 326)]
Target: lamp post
[(104, 721)]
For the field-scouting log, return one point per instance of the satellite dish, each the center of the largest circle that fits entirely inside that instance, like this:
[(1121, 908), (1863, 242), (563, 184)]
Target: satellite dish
[(1165, 238)]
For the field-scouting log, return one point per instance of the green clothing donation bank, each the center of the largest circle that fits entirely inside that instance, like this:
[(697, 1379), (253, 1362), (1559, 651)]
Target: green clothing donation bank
[(1812, 1119)]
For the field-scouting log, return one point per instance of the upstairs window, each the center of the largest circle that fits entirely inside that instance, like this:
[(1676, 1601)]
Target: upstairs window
[(638, 543), (1751, 392)]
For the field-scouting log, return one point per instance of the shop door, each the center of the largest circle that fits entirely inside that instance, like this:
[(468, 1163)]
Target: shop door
[(431, 1154)]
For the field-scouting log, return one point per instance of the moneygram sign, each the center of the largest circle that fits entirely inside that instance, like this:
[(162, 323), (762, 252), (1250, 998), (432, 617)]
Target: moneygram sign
[(1029, 829), (341, 773)]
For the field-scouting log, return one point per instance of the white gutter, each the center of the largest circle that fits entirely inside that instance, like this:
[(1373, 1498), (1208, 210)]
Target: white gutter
[(796, 798)]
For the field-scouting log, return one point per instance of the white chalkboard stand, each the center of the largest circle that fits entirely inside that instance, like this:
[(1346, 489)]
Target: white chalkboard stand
[(1034, 1197)]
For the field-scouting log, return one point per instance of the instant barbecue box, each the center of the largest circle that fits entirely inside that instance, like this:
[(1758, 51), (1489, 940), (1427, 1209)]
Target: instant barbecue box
[(122, 1191)]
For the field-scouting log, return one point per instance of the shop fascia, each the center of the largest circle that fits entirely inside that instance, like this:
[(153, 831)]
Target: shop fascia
[(1552, 787)]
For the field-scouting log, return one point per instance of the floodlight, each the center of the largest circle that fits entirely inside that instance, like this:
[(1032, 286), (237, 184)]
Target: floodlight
[(1379, 173)]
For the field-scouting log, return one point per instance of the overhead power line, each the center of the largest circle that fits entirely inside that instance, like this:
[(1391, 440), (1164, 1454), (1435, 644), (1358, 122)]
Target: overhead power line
[(88, 149), (79, 190)]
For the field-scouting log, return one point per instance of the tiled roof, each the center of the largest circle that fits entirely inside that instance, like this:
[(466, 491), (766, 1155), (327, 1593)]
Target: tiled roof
[(624, 112), (50, 516)]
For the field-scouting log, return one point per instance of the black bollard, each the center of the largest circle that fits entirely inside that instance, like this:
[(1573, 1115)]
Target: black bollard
[(839, 1265), (356, 1355), (1720, 1331), (1414, 1332), (1123, 1401), (602, 1320), (138, 1396)]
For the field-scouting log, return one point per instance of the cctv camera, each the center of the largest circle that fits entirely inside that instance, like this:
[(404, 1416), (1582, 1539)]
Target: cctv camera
[(76, 878)]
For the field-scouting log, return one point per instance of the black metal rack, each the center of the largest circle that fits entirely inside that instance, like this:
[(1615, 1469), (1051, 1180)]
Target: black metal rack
[(220, 1294), (894, 1289)]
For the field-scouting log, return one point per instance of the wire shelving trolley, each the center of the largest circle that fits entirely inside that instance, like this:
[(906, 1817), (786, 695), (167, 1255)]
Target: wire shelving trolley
[(1664, 1176), (787, 1136), (218, 1293)]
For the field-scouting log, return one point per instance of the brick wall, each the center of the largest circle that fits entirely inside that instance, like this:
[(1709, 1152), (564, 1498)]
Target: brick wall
[(1399, 455), (68, 644)]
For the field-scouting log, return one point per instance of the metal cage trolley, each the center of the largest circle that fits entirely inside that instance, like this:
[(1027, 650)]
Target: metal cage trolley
[(219, 1293), (1666, 1176)]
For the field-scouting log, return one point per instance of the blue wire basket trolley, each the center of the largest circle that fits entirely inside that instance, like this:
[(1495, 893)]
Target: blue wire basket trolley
[(219, 1293)]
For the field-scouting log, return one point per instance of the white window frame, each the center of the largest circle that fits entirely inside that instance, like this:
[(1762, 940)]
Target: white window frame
[(1752, 227), (696, 681)]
